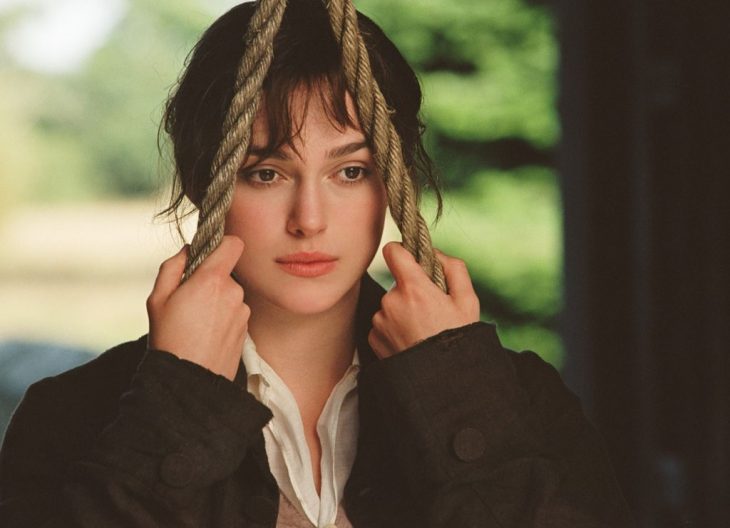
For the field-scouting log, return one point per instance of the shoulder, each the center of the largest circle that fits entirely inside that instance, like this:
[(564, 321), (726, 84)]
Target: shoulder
[(472, 359), (84, 398), (538, 380), (482, 340), (60, 416), (105, 376)]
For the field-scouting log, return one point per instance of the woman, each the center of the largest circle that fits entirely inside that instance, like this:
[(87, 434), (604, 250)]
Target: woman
[(280, 385)]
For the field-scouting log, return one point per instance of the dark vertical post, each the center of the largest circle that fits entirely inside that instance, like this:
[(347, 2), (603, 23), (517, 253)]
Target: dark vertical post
[(595, 163), (645, 175)]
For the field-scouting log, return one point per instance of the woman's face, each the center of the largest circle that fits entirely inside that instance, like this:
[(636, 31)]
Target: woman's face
[(323, 196)]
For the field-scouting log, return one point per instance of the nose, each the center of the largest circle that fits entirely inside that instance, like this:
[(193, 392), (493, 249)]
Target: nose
[(307, 213)]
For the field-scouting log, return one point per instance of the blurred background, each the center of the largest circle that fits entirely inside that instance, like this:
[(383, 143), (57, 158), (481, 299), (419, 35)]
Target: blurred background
[(582, 148), (83, 87)]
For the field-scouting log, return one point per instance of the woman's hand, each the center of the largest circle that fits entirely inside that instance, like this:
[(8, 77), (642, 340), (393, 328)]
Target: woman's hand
[(204, 320), (415, 308)]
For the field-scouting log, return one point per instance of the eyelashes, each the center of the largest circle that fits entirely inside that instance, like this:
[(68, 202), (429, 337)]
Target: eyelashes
[(347, 172), (264, 177), (266, 181)]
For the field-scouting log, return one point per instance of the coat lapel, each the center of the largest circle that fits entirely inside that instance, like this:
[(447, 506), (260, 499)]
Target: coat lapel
[(371, 294)]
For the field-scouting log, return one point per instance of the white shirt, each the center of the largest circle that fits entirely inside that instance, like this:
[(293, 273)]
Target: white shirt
[(286, 445)]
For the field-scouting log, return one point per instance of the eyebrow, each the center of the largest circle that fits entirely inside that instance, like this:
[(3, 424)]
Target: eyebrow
[(262, 152), (337, 152), (344, 150)]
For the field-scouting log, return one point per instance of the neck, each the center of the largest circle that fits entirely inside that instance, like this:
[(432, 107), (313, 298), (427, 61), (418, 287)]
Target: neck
[(306, 350)]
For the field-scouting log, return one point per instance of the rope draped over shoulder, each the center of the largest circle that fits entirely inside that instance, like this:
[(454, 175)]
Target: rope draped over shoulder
[(374, 117)]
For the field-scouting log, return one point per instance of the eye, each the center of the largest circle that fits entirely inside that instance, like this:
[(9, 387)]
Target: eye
[(354, 174), (262, 177)]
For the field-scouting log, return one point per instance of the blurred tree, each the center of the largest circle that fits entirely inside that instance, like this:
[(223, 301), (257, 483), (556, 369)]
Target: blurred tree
[(18, 146), (488, 71), (100, 123)]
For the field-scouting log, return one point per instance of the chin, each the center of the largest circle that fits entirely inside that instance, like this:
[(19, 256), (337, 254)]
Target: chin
[(310, 297), (308, 305)]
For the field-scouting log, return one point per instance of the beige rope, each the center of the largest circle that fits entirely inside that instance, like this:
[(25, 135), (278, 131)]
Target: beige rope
[(375, 119), (373, 113), (252, 70)]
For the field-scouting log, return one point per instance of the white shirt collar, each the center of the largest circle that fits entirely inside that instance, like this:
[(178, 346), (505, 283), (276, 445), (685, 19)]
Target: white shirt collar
[(286, 445)]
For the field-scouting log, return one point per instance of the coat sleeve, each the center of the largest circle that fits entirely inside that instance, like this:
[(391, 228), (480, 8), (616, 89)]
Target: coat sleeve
[(179, 429), (486, 437)]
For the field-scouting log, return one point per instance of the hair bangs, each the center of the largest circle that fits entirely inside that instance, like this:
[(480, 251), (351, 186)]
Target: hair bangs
[(287, 99)]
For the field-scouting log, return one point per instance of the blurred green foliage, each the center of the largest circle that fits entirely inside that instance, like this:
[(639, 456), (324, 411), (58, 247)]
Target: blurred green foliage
[(488, 72), (487, 66)]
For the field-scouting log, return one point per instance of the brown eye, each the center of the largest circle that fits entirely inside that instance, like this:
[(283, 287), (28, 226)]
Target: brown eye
[(266, 175), (261, 177), (354, 174)]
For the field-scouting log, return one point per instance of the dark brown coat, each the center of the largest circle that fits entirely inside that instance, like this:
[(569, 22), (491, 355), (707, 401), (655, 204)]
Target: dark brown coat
[(456, 431)]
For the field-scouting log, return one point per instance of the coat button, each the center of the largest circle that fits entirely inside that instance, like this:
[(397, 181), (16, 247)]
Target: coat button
[(260, 509), (468, 444), (364, 492), (176, 470)]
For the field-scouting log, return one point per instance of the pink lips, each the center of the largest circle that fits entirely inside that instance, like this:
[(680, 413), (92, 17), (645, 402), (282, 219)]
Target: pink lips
[(307, 264)]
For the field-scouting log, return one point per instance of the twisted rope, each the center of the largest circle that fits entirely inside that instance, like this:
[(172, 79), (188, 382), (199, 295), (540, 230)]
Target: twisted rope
[(373, 113), (259, 44), (375, 120)]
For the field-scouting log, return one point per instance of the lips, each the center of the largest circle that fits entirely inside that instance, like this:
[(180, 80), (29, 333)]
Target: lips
[(307, 264)]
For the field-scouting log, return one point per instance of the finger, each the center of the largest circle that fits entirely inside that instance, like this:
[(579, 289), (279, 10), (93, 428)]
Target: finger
[(378, 344), (224, 258), (170, 274), (401, 263), (456, 274), (377, 320)]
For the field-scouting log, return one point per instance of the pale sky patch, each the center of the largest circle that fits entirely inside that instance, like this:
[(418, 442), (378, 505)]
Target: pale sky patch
[(58, 35)]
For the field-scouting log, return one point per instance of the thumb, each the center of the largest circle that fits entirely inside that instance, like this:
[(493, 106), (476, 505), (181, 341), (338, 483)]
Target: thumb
[(456, 275), (170, 274), (401, 263)]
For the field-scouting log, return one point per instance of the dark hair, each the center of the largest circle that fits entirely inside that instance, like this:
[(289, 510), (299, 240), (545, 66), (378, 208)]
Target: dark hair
[(306, 55)]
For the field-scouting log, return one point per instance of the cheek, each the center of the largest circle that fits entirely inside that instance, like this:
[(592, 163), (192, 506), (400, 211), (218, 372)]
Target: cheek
[(366, 217), (379, 207), (247, 218), (377, 220)]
